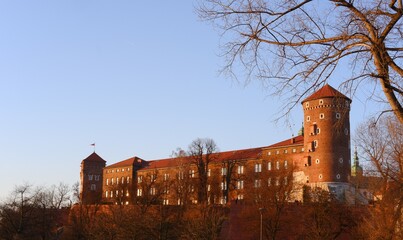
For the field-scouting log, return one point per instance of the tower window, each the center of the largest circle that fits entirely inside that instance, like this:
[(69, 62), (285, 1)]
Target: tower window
[(322, 116), (308, 118), (320, 176), (315, 143), (346, 131), (337, 115), (321, 102), (317, 161), (307, 104), (341, 160), (338, 176)]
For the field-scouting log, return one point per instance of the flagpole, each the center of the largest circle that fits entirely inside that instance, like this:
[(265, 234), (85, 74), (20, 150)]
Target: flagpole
[(93, 146)]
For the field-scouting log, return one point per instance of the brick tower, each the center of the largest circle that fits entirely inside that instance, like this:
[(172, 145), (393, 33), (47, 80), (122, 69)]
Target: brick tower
[(91, 179), (327, 140)]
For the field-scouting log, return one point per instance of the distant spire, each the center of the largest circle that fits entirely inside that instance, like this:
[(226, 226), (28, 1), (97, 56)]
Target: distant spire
[(356, 169), (301, 131)]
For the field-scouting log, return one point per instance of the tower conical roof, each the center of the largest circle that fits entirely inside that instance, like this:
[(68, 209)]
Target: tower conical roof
[(325, 92)]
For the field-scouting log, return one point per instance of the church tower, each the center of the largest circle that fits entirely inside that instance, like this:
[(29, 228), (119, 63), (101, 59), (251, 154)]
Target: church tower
[(91, 179), (327, 139)]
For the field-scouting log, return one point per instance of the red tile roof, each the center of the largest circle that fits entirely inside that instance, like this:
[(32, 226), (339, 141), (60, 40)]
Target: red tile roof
[(242, 154), (297, 141), (94, 158), (127, 162), (324, 92), (216, 157)]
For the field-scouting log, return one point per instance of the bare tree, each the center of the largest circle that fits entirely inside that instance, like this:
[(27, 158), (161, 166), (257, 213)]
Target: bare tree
[(295, 46), (382, 144), (149, 190), (201, 151), (270, 192)]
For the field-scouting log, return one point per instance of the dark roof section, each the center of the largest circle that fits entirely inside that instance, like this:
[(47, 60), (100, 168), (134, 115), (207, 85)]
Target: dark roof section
[(128, 162), (216, 157), (93, 157), (298, 140), (325, 92)]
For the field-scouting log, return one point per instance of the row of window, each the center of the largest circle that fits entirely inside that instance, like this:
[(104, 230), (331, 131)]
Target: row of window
[(118, 180), (258, 166), (321, 101), (338, 176), (322, 116), (118, 170), (294, 150), (92, 177), (110, 194)]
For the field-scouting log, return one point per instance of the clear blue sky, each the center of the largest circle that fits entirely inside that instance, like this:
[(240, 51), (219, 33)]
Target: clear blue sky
[(135, 77)]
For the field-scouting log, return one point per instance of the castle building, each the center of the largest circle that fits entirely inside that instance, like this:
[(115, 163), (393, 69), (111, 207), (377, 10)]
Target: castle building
[(318, 157)]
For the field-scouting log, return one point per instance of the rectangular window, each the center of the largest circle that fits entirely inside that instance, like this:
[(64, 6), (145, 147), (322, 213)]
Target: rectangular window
[(139, 192), (96, 177), (257, 183), (107, 182), (90, 177), (152, 191), (106, 194), (209, 173), (112, 179), (128, 180), (285, 164), (93, 187), (117, 180), (269, 166), (240, 169), (111, 194), (166, 176), (153, 177), (208, 188), (192, 173), (269, 182), (180, 175), (140, 179), (258, 167), (239, 184), (224, 185), (278, 165), (123, 180), (223, 171)]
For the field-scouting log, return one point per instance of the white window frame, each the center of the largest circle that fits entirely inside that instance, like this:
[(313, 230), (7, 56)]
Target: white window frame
[(258, 167), (240, 169)]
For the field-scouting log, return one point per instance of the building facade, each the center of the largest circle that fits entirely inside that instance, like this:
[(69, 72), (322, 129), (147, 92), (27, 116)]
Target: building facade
[(318, 157)]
